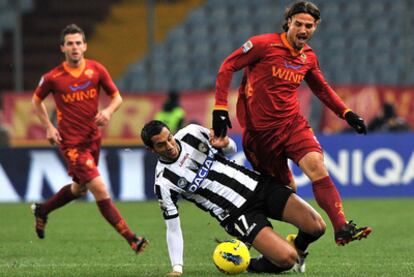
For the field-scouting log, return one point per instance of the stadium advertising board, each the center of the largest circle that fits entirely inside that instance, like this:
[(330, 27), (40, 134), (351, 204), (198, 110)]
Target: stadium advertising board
[(361, 166), (367, 101), (135, 111)]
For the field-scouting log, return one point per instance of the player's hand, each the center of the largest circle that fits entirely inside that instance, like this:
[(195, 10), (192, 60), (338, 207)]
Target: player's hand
[(102, 118), (53, 135), (218, 142), (221, 121), (356, 122), (177, 270)]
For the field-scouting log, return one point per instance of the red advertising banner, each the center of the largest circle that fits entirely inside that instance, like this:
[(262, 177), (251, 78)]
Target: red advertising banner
[(367, 101), (126, 123)]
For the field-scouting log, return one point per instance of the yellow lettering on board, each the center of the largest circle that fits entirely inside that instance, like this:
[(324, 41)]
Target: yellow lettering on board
[(131, 116)]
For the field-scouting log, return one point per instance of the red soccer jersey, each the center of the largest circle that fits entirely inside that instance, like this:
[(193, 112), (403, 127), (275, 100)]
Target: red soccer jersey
[(76, 94), (273, 72)]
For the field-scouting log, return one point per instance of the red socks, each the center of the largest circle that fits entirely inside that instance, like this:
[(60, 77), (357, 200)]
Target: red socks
[(61, 198), (328, 199), (112, 215)]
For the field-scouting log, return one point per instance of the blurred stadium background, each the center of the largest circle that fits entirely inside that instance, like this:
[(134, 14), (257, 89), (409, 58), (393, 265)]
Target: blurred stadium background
[(150, 47), (154, 46)]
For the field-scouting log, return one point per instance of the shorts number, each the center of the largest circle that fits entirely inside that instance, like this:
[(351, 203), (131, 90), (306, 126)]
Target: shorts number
[(243, 221)]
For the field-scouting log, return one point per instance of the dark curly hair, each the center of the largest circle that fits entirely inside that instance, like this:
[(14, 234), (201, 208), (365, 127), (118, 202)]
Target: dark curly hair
[(151, 128), (301, 7)]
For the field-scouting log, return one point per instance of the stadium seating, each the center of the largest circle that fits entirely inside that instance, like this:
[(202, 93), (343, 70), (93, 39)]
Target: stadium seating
[(357, 41), (42, 22)]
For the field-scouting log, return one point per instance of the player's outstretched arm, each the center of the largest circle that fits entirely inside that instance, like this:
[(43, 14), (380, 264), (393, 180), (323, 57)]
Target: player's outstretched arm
[(175, 243)]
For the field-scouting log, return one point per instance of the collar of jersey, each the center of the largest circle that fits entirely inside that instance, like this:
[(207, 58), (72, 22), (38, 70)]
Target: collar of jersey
[(178, 156), (286, 43), (75, 72)]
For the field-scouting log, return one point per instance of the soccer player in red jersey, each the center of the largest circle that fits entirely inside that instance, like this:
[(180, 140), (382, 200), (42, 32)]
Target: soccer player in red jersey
[(268, 111), (75, 85)]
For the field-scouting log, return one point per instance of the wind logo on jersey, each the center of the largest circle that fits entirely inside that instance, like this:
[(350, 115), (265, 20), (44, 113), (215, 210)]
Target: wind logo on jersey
[(287, 74), (77, 87), (247, 46), (79, 95), (294, 67)]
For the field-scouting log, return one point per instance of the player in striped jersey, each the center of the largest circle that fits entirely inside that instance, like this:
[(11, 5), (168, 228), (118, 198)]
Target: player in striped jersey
[(192, 165)]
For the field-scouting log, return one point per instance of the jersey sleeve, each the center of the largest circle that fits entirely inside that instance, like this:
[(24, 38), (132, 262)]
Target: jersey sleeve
[(43, 88), (106, 81), (248, 53), (167, 199), (175, 243), (320, 87)]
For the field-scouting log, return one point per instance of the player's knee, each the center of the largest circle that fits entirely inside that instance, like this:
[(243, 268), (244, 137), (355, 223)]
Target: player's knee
[(318, 170), (82, 191), (319, 227), (78, 190), (290, 259)]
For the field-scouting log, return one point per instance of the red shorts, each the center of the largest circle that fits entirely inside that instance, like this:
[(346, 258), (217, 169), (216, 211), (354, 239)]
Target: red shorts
[(82, 161), (269, 150)]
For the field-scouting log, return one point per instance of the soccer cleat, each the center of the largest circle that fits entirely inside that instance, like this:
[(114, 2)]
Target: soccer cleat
[(139, 244), (40, 220), (350, 232), (299, 266)]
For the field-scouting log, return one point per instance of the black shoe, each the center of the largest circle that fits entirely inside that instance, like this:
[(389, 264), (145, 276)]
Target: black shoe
[(139, 244), (350, 232), (40, 220)]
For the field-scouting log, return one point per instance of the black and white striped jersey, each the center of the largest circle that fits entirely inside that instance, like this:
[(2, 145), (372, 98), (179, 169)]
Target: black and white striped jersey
[(202, 175)]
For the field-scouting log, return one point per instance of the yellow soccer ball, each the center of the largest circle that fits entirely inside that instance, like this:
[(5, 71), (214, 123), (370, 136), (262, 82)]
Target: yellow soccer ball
[(231, 257)]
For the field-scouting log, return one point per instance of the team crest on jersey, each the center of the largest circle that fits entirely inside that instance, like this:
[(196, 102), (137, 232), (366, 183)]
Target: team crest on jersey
[(247, 46), (89, 73), (182, 183), (202, 147), (303, 57)]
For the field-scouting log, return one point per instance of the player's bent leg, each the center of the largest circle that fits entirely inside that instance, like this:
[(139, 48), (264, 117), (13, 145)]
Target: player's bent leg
[(78, 190), (299, 213), (311, 228), (278, 255), (326, 194), (41, 211), (112, 214), (97, 187)]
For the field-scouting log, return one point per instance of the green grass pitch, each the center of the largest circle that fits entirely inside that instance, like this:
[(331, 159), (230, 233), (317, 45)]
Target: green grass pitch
[(80, 243)]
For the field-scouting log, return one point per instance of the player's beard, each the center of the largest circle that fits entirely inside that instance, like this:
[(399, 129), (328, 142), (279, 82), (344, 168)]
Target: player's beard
[(75, 59)]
